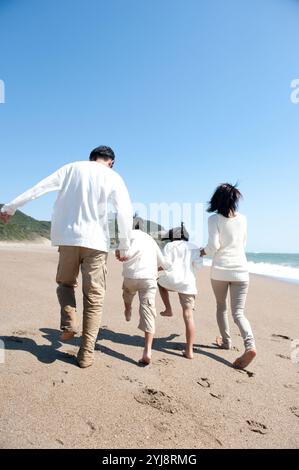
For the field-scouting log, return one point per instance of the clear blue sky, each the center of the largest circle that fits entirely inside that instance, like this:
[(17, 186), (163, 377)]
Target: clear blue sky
[(189, 93)]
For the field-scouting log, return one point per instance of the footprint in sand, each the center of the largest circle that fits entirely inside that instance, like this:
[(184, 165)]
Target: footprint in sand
[(204, 382), (282, 356), (291, 386), (57, 382), (164, 361), (257, 427), (91, 426), (281, 336), (25, 333), (156, 399), (295, 410), (129, 379), (219, 397)]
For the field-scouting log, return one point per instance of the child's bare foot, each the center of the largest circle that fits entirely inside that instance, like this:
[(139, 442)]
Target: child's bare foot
[(67, 335), (167, 313), (128, 314), (243, 361), (145, 360), (188, 354)]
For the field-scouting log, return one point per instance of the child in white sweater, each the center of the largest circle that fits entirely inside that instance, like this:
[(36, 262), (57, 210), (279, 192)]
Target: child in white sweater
[(140, 273), (181, 278)]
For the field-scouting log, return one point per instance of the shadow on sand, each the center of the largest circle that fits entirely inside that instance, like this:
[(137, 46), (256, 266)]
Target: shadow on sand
[(50, 353)]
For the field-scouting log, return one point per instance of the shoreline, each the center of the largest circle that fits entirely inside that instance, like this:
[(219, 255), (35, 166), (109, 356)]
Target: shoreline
[(45, 244)]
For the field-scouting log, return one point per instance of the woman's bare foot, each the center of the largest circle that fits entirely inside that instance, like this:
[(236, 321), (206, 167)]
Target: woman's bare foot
[(243, 361), (67, 335), (220, 343), (167, 313), (188, 354), (128, 314)]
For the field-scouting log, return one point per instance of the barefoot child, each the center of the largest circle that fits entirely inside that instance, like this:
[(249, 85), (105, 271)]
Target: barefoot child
[(181, 278), (229, 273), (140, 273)]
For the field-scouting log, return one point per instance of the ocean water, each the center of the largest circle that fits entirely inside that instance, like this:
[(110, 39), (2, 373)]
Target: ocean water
[(280, 265), (284, 266)]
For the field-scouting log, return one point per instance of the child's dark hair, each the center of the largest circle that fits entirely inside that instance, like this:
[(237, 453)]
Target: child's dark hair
[(177, 233), (225, 200)]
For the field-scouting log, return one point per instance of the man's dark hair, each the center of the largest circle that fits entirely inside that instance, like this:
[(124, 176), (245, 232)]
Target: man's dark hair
[(225, 200), (102, 152)]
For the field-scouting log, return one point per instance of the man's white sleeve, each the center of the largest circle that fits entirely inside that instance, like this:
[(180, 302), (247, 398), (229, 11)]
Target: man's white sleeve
[(121, 200), (51, 183)]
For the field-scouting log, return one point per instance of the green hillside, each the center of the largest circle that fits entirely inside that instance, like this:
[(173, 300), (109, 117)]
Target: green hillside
[(23, 227)]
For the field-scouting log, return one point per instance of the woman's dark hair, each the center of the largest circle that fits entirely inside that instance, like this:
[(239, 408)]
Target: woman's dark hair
[(225, 200)]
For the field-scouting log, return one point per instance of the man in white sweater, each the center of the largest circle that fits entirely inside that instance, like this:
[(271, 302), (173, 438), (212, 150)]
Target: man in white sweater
[(80, 229), (140, 274)]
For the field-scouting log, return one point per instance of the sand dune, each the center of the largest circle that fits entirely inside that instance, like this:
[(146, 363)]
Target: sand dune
[(48, 402)]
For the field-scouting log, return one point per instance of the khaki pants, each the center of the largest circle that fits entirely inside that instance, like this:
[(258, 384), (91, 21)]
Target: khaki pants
[(187, 301), (94, 271), (147, 289)]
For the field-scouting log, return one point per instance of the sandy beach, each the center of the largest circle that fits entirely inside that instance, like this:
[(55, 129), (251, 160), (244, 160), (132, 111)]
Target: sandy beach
[(46, 401)]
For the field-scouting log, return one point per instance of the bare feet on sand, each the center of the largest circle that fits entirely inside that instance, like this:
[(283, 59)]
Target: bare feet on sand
[(128, 314), (220, 344), (243, 361), (188, 354), (67, 335), (166, 313), (145, 360)]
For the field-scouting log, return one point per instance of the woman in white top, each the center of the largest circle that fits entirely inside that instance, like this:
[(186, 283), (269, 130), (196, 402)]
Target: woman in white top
[(226, 245)]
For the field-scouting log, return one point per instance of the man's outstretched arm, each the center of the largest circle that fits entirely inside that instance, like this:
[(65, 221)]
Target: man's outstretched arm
[(51, 183)]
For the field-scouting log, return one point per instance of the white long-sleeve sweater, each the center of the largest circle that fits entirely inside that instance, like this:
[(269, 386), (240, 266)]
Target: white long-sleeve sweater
[(226, 245), (185, 261), (144, 257), (80, 216)]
